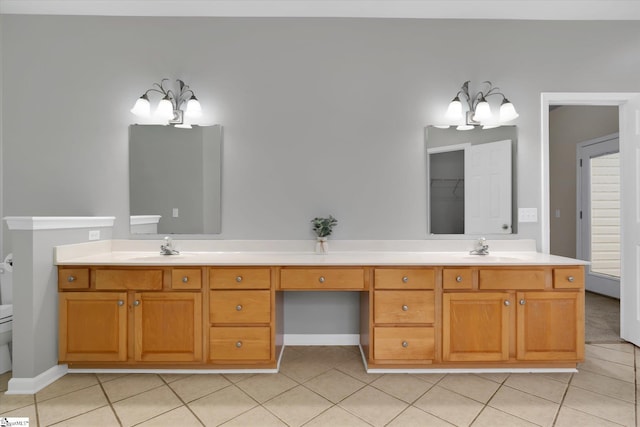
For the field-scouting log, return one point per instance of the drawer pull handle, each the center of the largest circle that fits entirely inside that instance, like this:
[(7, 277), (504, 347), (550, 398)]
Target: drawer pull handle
[(405, 308), (571, 279), (321, 279), (136, 303), (522, 302), (120, 303), (507, 302), (238, 344), (405, 279), (239, 307), (239, 279), (185, 279), (71, 279), (459, 279), (405, 344)]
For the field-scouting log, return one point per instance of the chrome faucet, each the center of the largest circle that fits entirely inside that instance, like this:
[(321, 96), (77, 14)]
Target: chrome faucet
[(167, 248), (482, 248)]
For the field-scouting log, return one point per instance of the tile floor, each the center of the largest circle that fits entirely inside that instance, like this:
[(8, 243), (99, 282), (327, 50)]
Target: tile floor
[(327, 386)]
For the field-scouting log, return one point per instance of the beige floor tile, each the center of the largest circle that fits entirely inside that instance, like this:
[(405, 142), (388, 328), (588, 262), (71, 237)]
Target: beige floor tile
[(568, 417), (256, 417), (67, 384), (10, 402), (414, 417), (336, 416), (403, 386), (263, 387), (4, 381), (563, 377), (491, 417), (430, 378), (106, 377), (303, 369), (624, 347), (600, 406), (234, 378), (222, 405), (373, 406), (469, 385), (130, 385), (524, 405), (496, 377), (180, 416), (25, 412), (449, 406), (609, 369), (605, 385), (355, 368), (71, 404), (595, 352), (538, 385), (195, 386), (334, 385), (169, 378), (297, 406), (101, 417), (146, 405), (334, 356)]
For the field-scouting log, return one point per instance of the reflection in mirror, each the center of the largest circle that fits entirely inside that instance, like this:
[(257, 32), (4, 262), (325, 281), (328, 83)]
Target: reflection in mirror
[(175, 179), (471, 184)]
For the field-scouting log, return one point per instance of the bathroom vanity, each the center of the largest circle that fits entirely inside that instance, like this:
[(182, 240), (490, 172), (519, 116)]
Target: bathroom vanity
[(224, 309)]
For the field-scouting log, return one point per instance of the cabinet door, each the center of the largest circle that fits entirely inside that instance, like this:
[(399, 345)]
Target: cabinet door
[(475, 326), (550, 325), (93, 326), (168, 326)]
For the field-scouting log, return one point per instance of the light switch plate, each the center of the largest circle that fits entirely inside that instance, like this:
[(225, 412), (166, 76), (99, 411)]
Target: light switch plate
[(94, 235), (175, 212), (528, 215)]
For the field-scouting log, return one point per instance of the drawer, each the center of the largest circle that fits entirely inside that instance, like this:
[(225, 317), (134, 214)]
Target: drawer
[(568, 278), (397, 278), (73, 278), (147, 280), (403, 343), (186, 278), (240, 306), (457, 278), (510, 278), (239, 343), (322, 278), (403, 306), (240, 278)]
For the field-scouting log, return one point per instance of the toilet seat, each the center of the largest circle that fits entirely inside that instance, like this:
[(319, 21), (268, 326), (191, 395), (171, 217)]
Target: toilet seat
[(6, 313)]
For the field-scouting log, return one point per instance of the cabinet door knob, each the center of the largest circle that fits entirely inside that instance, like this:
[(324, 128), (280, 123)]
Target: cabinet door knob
[(571, 279), (238, 344), (522, 302), (458, 279), (405, 308), (239, 279), (507, 302), (321, 279), (136, 303), (120, 303), (239, 307), (185, 279), (405, 279), (405, 344), (71, 279)]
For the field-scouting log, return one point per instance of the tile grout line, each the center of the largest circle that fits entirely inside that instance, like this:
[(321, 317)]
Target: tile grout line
[(106, 396), (564, 395), (181, 400)]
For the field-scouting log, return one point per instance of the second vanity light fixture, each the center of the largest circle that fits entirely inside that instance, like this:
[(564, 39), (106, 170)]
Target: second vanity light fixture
[(478, 109), (170, 106)]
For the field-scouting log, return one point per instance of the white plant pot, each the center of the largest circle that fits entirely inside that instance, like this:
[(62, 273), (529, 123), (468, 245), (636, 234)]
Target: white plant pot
[(322, 245)]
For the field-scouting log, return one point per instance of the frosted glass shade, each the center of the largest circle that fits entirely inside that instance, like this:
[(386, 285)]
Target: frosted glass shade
[(165, 109), (454, 112), (194, 109), (507, 111), (483, 111), (142, 107)]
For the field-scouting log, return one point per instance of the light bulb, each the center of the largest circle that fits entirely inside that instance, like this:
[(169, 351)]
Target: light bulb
[(507, 111), (142, 107)]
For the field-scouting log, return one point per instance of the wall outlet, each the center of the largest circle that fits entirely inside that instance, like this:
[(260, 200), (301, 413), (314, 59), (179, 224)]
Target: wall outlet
[(175, 212), (528, 215), (94, 235)]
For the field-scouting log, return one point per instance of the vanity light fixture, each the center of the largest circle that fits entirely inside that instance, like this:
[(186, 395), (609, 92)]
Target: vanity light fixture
[(478, 110), (170, 106)]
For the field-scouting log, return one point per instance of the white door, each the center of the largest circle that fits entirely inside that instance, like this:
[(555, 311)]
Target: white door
[(488, 188), (598, 233), (630, 211)]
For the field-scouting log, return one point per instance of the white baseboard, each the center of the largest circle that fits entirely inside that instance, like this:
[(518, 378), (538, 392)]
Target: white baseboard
[(321, 339), (34, 385)]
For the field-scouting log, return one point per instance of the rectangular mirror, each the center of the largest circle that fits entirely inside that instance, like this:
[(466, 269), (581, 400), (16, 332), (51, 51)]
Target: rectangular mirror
[(471, 181), (175, 179)]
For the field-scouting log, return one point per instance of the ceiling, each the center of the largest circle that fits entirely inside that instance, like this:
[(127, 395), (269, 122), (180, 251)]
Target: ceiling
[(426, 9)]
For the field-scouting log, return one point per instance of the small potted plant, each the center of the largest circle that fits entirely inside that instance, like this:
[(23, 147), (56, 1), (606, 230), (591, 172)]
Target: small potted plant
[(323, 228)]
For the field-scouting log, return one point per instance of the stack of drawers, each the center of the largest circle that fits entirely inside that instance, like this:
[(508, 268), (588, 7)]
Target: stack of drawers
[(240, 315)]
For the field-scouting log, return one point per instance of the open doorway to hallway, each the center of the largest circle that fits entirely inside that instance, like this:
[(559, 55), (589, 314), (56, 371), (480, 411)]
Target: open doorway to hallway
[(570, 126)]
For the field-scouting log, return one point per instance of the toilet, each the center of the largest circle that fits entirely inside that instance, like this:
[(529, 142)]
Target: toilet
[(6, 313)]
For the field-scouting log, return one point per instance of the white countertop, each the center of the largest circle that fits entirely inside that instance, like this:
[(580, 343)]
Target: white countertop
[(106, 253)]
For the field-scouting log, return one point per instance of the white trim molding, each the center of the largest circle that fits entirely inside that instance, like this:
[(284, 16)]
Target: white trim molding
[(321, 339), (34, 385), (57, 222)]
